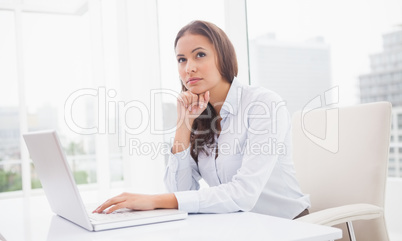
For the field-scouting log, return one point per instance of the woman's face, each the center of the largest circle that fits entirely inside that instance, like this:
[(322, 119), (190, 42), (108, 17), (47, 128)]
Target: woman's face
[(197, 63)]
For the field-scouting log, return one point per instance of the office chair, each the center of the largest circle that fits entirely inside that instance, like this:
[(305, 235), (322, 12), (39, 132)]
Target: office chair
[(341, 158)]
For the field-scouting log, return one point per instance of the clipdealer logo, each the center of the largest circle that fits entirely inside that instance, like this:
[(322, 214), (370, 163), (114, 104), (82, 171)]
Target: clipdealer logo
[(146, 117), (331, 140)]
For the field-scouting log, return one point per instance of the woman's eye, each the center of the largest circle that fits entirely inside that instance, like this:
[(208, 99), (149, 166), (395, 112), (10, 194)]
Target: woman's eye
[(201, 54), (180, 60)]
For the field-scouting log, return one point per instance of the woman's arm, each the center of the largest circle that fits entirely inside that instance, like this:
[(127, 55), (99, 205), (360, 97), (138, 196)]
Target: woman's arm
[(189, 107), (182, 136), (181, 173)]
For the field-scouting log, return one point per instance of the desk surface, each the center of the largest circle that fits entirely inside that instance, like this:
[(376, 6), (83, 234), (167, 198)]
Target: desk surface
[(31, 219)]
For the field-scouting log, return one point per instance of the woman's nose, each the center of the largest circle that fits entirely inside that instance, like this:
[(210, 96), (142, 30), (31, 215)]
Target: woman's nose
[(190, 67)]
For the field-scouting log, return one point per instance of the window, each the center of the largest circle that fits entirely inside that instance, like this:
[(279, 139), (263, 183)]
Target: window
[(301, 47), (400, 123), (64, 53), (98, 49), (57, 63), (56, 49), (10, 154)]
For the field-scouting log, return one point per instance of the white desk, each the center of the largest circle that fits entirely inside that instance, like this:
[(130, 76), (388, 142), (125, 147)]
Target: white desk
[(31, 219)]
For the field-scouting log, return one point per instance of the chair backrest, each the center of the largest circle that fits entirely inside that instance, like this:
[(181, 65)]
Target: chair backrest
[(341, 157)]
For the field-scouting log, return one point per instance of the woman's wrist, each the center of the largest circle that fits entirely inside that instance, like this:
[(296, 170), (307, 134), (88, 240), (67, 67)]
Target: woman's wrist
[(184, 124), (167, 200), (182, 138)]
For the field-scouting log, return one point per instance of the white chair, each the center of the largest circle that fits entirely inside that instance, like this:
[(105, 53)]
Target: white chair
[(341, 159)]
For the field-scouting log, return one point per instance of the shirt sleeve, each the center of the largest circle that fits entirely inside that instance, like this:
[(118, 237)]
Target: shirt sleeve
[(243, 191), (181, 172)]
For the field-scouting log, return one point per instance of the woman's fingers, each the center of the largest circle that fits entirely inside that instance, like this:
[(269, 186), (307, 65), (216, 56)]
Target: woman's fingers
[(190, 100), (127, 200), (181, 100), (116, 207), (194, 101), (184, 99), (201, 101), (108, 203), (206, 96)]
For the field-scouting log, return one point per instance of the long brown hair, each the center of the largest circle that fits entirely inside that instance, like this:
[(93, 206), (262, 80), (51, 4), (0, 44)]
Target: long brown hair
[(202, 135)]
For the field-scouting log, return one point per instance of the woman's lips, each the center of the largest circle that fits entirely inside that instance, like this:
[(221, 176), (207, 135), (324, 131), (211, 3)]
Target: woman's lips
[(193, 80)]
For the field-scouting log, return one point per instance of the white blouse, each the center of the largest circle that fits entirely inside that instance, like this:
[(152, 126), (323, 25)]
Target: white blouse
[(254, 169)]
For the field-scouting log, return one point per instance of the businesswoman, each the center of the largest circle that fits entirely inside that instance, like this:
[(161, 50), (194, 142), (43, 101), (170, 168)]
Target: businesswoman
[(234, 136)]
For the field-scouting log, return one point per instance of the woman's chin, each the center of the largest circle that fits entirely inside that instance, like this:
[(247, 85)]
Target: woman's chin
[(197, 90)]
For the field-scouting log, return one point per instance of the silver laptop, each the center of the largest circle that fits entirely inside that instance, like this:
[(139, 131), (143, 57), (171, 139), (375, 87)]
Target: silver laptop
[(64, 198)]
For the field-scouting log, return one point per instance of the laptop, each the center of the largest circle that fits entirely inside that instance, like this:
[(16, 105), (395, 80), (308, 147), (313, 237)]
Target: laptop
[(64, 198)]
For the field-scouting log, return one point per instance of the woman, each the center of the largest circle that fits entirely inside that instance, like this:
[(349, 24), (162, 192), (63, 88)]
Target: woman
[(235, 137)]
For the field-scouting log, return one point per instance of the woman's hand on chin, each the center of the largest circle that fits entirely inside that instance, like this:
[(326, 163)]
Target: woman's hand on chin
[(190, 105)]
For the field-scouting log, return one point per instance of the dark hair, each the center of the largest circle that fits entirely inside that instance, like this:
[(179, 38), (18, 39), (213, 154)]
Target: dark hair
[(202, 134)]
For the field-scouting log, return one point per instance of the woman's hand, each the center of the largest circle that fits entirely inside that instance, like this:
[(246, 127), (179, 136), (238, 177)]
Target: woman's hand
[(139, 202), (190, 105)]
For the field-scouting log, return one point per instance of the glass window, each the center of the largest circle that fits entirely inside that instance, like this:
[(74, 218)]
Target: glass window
[(10, 156), (399, 121), (57, 63), (301, 47)]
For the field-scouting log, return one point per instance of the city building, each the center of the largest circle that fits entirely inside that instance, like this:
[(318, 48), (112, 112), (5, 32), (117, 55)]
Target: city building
[(395, 150), (298, 72), (9, 133), (44, 117), (384, 83)]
